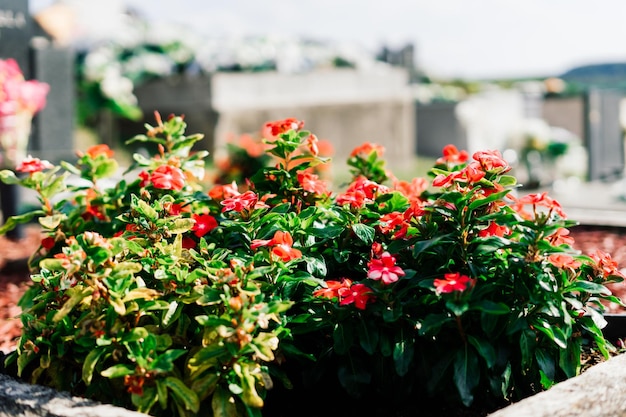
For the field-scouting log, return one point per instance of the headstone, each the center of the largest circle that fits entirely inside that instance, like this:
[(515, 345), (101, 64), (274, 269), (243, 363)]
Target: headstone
[(15, 32), (437, 125), (53, 127), (603, 134)]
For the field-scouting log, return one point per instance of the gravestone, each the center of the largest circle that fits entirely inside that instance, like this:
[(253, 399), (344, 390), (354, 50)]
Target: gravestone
[(604, 136), (15, 32), (52, 135), (437, 125)]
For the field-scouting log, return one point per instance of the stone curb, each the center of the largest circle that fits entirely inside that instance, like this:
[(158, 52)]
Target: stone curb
[(597, 392), (18, 399)]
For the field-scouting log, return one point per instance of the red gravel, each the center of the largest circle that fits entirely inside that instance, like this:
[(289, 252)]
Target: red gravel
[(14, 276)]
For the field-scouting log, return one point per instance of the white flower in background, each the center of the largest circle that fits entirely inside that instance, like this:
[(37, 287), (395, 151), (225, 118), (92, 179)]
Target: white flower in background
[(152, 63), (115, 86), (98, 62)]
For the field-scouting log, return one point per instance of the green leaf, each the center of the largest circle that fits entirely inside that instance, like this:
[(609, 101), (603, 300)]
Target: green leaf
[(554, 333), (368, 334), (432, 323), (162, 393), (182, 392), (171, 313), (364, 232), (327, 232), (222, 405), (145, 209), (569, 358), (76, 295), (588, 287), (546, 364), (507, 180), (479, 202), (527, 346), (106, 168), (484, 349), (52, 222), (13, 221), (466, 374), (181, 225), (165, 361), (402, 356), (490, 307), (89, 365), (342, 338), (9, 177), (118, 370)]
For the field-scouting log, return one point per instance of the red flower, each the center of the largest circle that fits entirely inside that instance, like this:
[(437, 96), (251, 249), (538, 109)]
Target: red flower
[(412, 190), (359, 295), (451, 282), (453, 156), (366, 149), (333, 288), (222, 191), (561, 237), (311, 143), (491, 161), (47, 243), (281, 244), (93, 211), (493, 230), (561, 260), (241, 202), (605, 264), (30, 164), (469, 175), (275, 128), (311, 183), (384, 269), (537, 201), (355, 198), (286, 253), (145, 178), (188, 243), (167, 177), (391, 221), (101, 149), (204, 224), (346, 292)]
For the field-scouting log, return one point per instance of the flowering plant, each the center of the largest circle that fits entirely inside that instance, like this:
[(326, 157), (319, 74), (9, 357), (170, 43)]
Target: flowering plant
[(20, 100), (161, 296)]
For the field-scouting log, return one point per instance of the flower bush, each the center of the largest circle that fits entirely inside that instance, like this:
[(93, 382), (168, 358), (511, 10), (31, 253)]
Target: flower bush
[(161, 292)]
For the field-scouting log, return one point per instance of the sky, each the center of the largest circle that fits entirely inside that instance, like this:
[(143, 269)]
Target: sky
[(472, 39)]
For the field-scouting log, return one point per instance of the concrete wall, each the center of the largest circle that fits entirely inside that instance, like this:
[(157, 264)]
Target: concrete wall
[(438, 125), (344, 106), (566, 112)]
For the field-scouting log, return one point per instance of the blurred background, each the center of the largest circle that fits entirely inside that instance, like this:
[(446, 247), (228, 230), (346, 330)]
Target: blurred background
[(541, 81)]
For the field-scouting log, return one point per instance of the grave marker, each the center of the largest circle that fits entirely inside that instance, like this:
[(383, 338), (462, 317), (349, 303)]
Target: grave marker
[(15, 32)]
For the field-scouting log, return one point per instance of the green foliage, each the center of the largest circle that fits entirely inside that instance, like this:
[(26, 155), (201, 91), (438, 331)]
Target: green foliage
[(166, 295)]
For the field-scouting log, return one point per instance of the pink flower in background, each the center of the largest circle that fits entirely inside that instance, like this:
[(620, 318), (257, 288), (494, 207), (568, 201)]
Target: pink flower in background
[(18, 95), (19, 101), (30, 164)]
